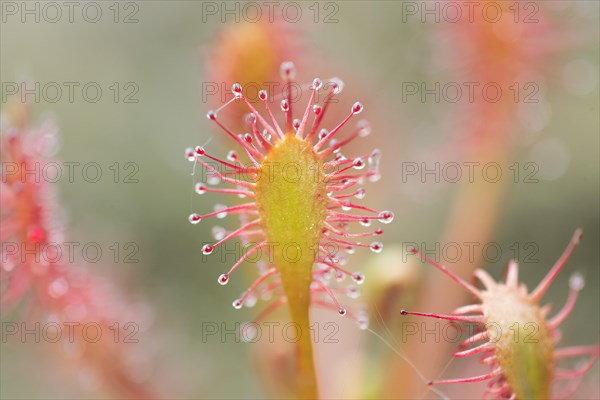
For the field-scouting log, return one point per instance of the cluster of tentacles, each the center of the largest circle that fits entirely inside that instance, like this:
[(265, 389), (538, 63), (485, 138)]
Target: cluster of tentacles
[(342, 180), (507, 310)]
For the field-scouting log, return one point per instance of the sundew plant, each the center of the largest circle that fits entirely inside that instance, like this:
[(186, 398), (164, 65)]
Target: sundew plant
[(300, 200)]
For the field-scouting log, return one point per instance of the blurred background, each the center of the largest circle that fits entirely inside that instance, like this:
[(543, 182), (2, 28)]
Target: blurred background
[(151, 65)]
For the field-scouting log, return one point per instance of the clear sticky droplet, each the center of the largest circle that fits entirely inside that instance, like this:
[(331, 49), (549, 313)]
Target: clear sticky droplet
[(337, 85), (363, 320), (251, 301), (200, 188), (232, 156), (212, 115), (364, 128), (358, 163), (236, 88), (352, 292), (576, 281), (223, 279), (288, 70), (317, 109), (247, 138), (251, 119), (249, 332), (207, 249), (342, 311), (266, 135), (296, 124), (350, 250), (374, 176), (385, 217), (237, 304), (285, 105), (194, 218), (360, 193), (358, 277), (317, 84), (218, 232), (357, 108), (322, 133), (376, 247), (219, 209), (189, 154), (262, 94), (365, 222), (212, 178), (200, 151)]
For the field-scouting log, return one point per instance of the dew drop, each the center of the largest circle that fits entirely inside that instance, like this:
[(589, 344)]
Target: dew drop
[(262, 94), (317, 84), (376, 247), (266, 135), (285, 106), (212, 115), (363, 320), (232, 156), (194, 218), (200, 150), (340, 157), (251, 301), (342, 311), (251, 118), (385, 217), (237, 304), (219, 209), (218, 232), (189, 154), (353, 292), (223, 279), (357, 108), (358, 163), (200, 188), (374, 176), (576, 281), (288, 70), (337, 85), (364, 128), (212, 178), (358, 278), (249, 332), (236, 88), (207, 249)]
